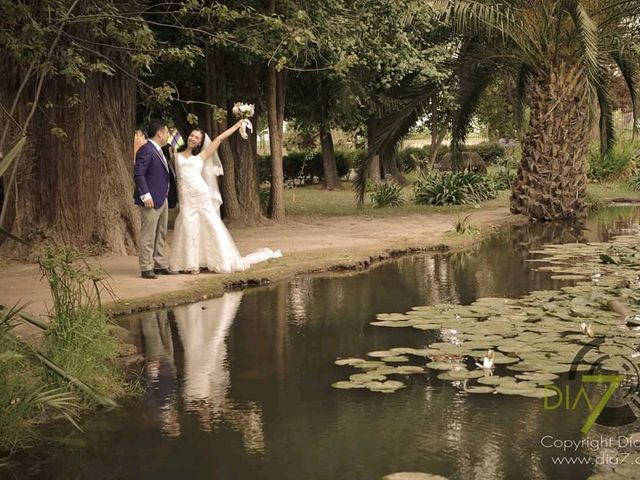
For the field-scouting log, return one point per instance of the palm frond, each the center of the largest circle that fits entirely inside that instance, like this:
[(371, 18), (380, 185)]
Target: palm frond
[(472, 17), (524, 73), (392, 127), (473, 79), (587, 31), (59, 400), (629, 72), (607, 129)]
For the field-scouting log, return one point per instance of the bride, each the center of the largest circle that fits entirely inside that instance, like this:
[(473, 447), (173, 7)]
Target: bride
[(201, 240)]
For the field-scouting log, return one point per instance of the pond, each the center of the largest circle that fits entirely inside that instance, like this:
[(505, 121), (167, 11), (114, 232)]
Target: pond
[(239, 387)]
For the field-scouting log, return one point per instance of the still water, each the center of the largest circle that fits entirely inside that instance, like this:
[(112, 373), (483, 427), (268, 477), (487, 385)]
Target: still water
[(239, 387)]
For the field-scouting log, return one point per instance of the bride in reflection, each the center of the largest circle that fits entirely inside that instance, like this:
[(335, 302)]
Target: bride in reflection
[(203, 329)]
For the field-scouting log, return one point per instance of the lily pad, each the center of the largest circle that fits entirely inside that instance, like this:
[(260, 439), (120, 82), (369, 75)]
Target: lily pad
[(395, 359), (496, 380), (344, 385), (366, 377), (478, 389), (409, 369), (445, 365), (389, 386), (511, 390), (369, 365), (463, 373), (348, 361), (540, 393)]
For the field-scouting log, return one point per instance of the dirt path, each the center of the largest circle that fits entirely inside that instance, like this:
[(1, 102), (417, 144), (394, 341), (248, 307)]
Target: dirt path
[(308, 244)]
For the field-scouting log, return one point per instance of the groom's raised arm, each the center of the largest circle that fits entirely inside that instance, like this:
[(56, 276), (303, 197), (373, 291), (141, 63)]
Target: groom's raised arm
[(143, 159)]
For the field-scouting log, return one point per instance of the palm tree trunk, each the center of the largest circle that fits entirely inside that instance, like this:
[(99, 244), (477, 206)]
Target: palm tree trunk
[(552, 179)]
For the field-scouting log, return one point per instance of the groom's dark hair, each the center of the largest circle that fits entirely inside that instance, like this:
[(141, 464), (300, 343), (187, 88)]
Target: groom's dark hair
[(154, 127)]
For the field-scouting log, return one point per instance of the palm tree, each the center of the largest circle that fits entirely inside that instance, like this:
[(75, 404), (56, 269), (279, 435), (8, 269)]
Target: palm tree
[(563, 53)]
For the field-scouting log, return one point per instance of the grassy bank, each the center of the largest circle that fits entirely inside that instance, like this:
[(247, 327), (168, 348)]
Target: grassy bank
[(73, 370), (313, 201)]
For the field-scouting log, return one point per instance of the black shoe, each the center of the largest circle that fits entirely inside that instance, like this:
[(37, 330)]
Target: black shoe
[(148, 274), (163, 271)]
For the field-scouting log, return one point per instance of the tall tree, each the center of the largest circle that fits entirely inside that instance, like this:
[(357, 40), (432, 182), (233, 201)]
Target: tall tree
[(560, 77), (65, 90)]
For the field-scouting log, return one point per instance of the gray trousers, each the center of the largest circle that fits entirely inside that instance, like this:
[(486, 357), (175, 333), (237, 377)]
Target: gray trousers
[(153, 234)]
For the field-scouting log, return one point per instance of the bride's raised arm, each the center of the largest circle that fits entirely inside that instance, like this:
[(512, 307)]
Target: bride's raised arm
[(215, 143)]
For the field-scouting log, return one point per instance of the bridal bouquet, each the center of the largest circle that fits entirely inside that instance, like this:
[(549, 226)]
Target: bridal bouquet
[(244, 111)]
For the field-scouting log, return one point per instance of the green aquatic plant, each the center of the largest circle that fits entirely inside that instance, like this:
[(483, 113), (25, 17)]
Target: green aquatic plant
[(536, 337)]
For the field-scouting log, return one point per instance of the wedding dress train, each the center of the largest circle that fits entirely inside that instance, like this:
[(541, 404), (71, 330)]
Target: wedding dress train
[(201, 239)]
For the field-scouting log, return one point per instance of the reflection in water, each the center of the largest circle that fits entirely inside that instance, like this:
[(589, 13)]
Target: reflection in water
[(247, 374), (202, 331)]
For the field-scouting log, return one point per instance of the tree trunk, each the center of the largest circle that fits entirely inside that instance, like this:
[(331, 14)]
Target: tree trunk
[(552, 179), (438, 130), (243, 85), (217, 91), (373, 172), (390, 167), (331, 179), (275, 113), (78, 190)]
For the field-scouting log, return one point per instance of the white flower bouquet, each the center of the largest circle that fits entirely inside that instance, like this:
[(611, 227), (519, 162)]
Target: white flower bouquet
[(244, 111)]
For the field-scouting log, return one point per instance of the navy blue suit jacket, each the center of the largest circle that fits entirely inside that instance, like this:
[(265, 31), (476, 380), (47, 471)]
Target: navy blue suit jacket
[(151, 176)]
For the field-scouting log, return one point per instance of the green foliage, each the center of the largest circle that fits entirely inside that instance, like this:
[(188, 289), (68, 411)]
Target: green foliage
[(303, 166), (622, 161), (491, 152), (28, 393), (79, 336), (514, 37), (495, 112), (387, 194), (409, 159), (453, 188), (464, 226), (634, 184), (506, 174)]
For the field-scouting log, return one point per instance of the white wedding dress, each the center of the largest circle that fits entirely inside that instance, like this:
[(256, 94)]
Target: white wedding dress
[(201, 239)]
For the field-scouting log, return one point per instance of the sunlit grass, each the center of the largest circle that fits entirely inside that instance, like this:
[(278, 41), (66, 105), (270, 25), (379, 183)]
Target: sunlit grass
[(312, 201)]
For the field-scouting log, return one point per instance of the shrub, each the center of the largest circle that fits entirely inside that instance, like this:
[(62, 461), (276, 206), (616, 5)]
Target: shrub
[(621, 162), (307, 164), (411, 158), (490, 152), (464, 226), (634, 184), (387, 194), (453, 188), (503, 179)]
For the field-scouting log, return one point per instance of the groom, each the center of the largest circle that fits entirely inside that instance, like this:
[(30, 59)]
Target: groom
[(154, 177)]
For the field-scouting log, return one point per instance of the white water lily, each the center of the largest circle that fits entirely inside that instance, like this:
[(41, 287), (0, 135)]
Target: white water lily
[(587, 329), (487, 362)]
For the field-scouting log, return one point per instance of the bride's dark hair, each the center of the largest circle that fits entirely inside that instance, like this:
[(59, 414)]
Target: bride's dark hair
[(198, 148)]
